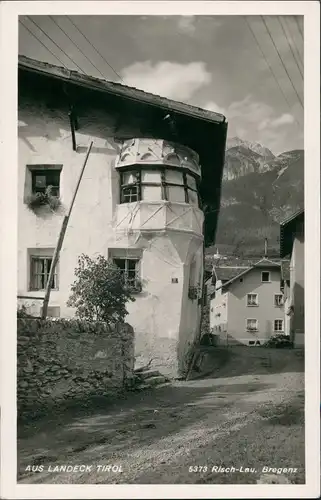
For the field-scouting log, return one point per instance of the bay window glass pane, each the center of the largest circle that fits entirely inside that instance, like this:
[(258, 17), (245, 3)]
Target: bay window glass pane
[(176, 193), (151, 176), (192, 198), (151, 193), (191, 182), (129, 194), (129, 177), (174, 177)]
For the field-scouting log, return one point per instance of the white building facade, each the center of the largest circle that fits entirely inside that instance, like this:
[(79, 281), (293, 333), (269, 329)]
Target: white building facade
[(249, 308), (292, 245), (138, 203)]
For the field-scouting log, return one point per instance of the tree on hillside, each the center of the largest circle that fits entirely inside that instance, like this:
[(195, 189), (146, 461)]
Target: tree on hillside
[(99, 292)]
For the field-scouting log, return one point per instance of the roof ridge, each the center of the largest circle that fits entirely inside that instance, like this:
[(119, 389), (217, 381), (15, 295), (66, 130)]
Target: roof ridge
[(249, 268), (291, 217), (232, 267), (265, 259), (190, 109)]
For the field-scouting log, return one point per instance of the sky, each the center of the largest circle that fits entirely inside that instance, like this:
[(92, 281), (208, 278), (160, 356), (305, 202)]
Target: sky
[(214, 62)]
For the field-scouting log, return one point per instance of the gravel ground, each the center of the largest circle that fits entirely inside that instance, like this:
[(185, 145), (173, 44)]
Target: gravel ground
[(178, 433)]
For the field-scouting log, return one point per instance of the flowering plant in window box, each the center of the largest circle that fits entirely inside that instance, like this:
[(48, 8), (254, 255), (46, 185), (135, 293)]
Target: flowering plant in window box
[(46, 198), (135, 287)]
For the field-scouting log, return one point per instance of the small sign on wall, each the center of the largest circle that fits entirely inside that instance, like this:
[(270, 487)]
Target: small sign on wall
[(174, 280)]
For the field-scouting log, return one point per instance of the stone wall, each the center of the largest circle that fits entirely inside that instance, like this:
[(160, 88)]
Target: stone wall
[(66, 361)]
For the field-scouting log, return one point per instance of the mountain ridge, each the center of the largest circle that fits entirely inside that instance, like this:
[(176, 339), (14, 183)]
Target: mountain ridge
[(258, 191), (254, 146)]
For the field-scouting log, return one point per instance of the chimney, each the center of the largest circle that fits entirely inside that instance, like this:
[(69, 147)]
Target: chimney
[(265, 248)]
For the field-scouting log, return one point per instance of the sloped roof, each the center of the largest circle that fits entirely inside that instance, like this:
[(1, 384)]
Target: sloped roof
[(292, 217), (232, 261), (287, 231), (267, 263), (118, 89), (201, 130), (263, 263), (226, 273)]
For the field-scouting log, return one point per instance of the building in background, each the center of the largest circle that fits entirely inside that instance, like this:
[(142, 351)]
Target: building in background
[(285, 290), (292, 246), (153, 165), (246, 306)]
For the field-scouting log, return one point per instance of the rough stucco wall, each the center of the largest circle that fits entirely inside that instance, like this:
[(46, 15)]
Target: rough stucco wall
[(190, 323), (164, 319), (266, 312), (62, 361), (44, 138)]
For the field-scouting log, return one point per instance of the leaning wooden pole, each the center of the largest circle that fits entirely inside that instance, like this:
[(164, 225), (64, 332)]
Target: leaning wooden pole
[(61, 239)]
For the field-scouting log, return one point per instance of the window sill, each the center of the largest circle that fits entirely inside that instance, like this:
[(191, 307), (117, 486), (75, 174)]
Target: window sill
[(157, 202), (252, 305), (136, 292)]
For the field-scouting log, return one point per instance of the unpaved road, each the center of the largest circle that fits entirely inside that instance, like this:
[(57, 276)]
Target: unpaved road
[(251, 421)]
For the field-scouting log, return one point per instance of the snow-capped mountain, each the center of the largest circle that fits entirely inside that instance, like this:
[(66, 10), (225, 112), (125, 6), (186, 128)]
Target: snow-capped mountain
[(253, 146), (259, 190)]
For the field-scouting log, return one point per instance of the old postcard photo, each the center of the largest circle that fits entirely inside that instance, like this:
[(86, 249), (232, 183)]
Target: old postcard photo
[(164, 292)]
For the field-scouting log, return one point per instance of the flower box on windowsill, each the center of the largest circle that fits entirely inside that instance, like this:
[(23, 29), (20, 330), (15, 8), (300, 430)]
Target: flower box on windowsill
[(136, 287), (251, 329), (46, 199)]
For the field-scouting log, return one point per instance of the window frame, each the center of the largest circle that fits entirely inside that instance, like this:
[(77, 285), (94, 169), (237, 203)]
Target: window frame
[(138, 169), (137, 280), (248, 329), (282, 299), (32, 277), (282, 322), (247, 300), (265, 281), (45, 171)]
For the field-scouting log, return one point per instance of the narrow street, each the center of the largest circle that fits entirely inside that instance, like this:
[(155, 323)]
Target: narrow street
[(251, 421)]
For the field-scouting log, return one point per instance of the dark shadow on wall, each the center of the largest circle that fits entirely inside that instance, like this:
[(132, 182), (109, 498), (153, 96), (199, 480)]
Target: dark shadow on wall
[(298, 313)]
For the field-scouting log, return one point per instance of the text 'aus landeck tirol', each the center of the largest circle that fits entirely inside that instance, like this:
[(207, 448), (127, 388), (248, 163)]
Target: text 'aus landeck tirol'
[(74, 468)]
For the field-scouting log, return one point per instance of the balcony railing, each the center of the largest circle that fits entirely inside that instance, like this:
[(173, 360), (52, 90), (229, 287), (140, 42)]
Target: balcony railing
[(145, 216)]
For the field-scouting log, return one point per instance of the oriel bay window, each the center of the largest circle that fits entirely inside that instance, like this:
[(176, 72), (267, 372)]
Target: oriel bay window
[(130, 182), (148, 184)]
